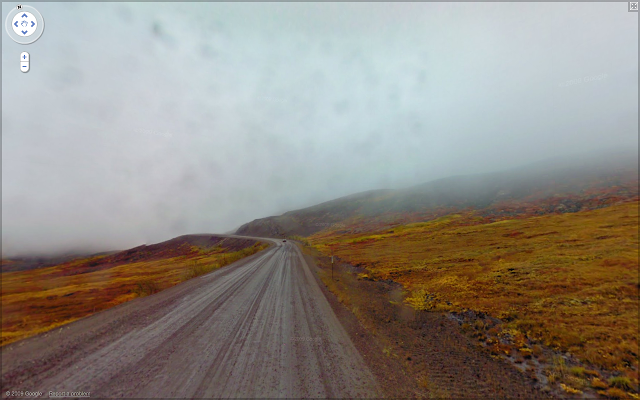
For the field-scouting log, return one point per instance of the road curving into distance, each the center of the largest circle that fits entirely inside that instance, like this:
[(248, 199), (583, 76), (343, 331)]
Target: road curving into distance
[(260, 327)]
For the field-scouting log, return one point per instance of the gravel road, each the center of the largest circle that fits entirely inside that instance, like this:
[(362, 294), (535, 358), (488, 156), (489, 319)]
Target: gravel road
[(260, 327)]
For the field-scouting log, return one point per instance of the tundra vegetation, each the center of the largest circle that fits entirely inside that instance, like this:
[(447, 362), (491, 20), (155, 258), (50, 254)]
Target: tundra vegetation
[(38, 300), (562, 282)]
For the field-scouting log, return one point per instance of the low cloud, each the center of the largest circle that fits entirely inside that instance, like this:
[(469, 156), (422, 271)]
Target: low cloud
[(139, 122)]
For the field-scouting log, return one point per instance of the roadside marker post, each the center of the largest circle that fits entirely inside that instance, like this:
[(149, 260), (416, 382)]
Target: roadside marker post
[(332, 267)]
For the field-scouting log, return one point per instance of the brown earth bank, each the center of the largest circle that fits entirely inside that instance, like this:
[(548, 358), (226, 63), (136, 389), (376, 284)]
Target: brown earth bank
[(415, 354)]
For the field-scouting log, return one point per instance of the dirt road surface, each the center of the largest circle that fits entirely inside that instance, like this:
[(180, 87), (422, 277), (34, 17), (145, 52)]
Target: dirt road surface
[(260, 327)]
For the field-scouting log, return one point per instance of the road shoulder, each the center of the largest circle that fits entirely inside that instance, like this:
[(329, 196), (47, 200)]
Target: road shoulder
[(389, 373), (413, 354)]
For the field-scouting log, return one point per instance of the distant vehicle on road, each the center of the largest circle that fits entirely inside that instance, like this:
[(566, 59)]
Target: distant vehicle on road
[(284, 240)]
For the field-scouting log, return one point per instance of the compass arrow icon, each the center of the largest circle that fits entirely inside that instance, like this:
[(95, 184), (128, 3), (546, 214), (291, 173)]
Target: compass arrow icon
[(25, 16), (16, 24), (32, 24), (24, 32)]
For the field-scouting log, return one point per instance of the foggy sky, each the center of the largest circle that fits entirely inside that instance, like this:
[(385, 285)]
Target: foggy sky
[(140, 122)]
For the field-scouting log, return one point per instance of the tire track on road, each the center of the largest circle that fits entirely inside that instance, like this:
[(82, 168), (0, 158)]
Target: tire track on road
[(230, 333)]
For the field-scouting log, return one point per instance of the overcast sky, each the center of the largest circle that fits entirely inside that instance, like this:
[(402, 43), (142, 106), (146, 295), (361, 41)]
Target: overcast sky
[(140, 122)]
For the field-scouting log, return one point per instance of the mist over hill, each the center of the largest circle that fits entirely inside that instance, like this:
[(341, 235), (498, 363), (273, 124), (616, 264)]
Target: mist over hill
[(563, 184), (287, 105)]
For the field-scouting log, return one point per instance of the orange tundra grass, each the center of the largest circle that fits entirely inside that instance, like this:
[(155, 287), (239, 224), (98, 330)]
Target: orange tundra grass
[(569, 281), (39, 300)]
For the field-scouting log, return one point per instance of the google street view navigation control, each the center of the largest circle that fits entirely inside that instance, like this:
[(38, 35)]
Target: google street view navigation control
[(24, 24)]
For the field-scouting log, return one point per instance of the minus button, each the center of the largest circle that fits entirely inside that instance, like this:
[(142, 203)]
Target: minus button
[(24, 61)]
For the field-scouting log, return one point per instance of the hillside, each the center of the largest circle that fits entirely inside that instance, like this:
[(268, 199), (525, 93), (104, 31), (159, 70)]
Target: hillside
[(558, 185), (179, 246), (36, 300), (557, 294)]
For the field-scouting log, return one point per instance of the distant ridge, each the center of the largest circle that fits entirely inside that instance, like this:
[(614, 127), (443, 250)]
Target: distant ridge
[(178, 246), (561, 184)]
